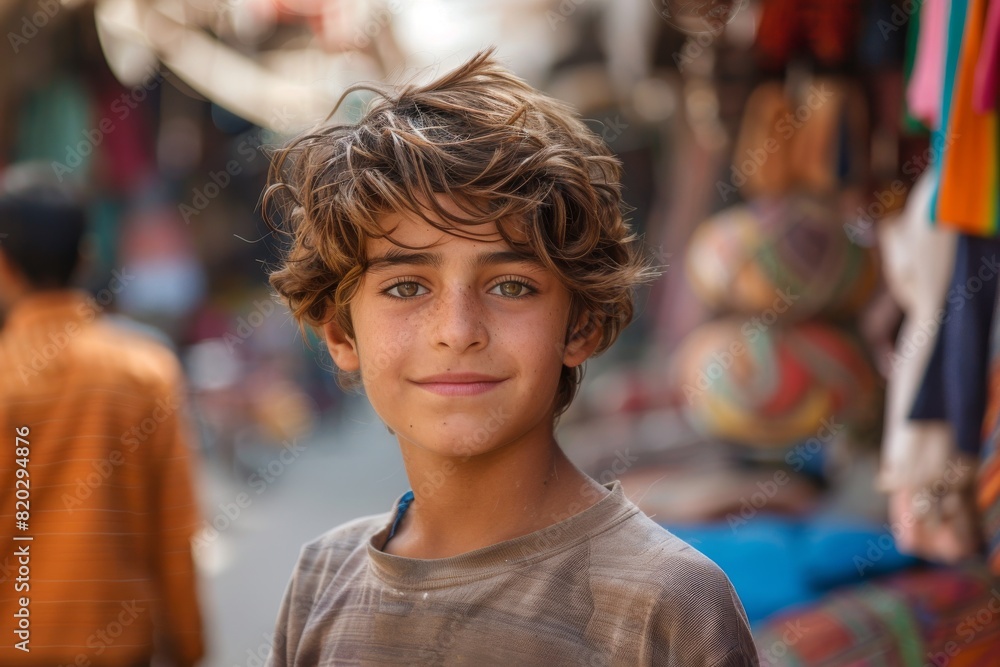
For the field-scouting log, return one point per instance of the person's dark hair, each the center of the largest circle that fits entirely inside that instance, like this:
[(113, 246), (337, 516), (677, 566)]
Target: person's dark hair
[(41, 225)]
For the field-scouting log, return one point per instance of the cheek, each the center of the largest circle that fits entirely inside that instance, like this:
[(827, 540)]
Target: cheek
[(382, 353), (537, 342)]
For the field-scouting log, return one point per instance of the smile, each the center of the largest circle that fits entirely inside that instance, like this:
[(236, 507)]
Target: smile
[(459, 388), (459, 384)]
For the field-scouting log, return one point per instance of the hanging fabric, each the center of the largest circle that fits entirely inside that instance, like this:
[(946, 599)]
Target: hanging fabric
[(967, 195), (988, 66), (988, 478), (918, 262), (826, 31), (924, 92), (954, 385)]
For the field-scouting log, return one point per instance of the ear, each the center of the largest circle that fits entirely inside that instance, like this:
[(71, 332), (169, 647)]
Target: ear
[(583, 341), (342, 348)]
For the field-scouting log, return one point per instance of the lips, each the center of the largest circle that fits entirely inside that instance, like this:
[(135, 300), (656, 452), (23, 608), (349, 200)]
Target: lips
[(459, 384), (458, 378)]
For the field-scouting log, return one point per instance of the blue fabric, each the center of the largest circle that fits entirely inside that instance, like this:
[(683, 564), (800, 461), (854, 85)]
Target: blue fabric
[(955, 381), (777, 562), (404, 504)]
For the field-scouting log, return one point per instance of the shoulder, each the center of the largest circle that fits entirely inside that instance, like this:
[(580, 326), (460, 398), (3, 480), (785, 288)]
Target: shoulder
[(348, 535), (336, 555), (658, 555), (689, 600), (130, 357), (327, 553), (661, 560)]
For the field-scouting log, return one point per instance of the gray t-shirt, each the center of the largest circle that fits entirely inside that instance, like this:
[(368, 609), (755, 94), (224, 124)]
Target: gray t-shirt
[(607, 586)]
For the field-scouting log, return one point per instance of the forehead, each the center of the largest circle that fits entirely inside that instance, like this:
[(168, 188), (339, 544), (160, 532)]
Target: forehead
[(410, 231)]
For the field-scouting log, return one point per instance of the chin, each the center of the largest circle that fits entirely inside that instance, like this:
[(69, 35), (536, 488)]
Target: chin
[(459, 445)]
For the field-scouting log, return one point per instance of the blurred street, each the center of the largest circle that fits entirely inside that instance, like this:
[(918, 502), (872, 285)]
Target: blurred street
[(346, 470)]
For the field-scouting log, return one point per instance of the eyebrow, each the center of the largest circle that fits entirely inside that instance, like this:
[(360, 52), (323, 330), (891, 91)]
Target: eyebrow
[(397, 257)]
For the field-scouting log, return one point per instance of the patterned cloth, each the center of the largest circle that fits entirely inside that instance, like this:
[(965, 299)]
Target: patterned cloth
[(988, 480), (924, 616)]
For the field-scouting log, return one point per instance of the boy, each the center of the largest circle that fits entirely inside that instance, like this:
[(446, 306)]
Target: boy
[(462, 249)]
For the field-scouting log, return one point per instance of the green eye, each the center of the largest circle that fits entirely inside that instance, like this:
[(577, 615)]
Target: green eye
[(511, 289), (514, 289)]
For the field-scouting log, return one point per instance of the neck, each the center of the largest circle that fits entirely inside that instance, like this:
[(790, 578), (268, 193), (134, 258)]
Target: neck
[(462, 504)]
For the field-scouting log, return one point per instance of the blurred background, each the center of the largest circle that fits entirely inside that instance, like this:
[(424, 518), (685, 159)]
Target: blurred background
[(806, 394)]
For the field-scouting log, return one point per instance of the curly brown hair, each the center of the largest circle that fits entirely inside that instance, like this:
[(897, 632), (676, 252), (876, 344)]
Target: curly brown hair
[(501, 151)]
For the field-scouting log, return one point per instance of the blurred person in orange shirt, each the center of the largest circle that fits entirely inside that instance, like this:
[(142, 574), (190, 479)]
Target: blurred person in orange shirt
[(97, 505)]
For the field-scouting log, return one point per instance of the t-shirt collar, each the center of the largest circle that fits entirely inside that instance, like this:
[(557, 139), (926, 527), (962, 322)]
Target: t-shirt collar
[(489, 561)]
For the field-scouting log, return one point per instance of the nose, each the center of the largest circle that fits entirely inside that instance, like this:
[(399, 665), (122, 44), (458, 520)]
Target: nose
[(458, 319)]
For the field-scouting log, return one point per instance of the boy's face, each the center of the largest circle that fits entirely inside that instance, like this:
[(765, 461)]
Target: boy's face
[(457, 308)]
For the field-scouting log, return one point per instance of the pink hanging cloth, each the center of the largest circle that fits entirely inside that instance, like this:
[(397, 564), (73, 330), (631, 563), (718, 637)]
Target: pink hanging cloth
[(923, 95), (984, 95)]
